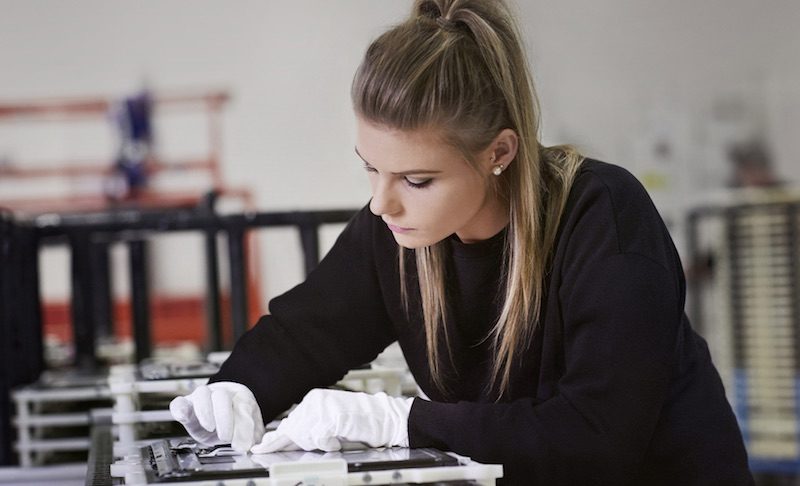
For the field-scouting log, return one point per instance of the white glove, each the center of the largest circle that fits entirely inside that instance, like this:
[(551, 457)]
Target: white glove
[(326, 417), (220, 413)]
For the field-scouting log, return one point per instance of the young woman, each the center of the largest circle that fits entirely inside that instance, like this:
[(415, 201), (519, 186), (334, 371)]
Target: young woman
[(536, 295)]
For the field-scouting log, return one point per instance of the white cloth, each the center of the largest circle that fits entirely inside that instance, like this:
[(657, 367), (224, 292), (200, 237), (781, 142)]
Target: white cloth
[(324, 418), (220, 413)]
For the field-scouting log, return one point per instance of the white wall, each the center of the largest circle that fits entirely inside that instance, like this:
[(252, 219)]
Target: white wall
[(611, 75)]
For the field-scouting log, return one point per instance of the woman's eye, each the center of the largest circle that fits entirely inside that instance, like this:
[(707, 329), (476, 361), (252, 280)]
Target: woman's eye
[(417, 183), (414, 182)]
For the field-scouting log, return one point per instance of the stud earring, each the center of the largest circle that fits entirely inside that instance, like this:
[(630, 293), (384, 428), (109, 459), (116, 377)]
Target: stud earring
[(498, 169)]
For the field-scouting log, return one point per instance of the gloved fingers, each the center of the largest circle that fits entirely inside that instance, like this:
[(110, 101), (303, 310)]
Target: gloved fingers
[(258, 422), (328, 444), (223, 414), (181, 409), (243, 436), (364, 428), (203, 407), (202, 436), (322, 436), (258, 428), (300, 433), (241, 441), (274, 441)]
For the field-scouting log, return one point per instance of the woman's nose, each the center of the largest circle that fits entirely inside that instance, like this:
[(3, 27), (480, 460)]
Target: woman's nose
[(384, 201)]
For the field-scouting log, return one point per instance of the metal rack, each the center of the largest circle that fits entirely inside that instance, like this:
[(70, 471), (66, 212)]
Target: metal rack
[(20, 308), (91, 305), (137, 224), (57, 403), (745, 299)]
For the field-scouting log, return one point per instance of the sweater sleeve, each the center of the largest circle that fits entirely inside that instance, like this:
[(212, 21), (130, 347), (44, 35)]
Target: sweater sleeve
[(620, 311), (319, 330), (619, 334)]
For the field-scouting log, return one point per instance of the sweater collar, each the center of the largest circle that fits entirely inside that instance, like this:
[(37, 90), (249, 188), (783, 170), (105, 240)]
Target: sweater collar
[(491, 246)]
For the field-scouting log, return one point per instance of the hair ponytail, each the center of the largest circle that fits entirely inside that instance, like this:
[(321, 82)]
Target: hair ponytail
[(459, 65)]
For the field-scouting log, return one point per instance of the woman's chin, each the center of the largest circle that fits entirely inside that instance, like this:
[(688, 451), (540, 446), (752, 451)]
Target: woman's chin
[(412, 242)]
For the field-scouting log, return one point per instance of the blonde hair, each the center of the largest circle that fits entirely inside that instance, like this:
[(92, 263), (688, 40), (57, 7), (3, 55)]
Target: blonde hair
[(459, 66)]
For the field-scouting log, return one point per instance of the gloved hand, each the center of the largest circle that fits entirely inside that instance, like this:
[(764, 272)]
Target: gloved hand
[(325, 417), (220, 413)]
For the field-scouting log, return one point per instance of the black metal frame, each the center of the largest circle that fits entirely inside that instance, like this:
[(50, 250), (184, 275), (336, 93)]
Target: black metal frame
[(133, 227), (89, 236), (21, 348)]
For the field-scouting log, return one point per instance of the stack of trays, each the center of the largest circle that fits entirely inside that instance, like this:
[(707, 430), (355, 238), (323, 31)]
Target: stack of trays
[(54, 414)]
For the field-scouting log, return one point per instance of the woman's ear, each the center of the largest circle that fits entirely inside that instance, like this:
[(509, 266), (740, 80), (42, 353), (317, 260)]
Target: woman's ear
[(502, 151)]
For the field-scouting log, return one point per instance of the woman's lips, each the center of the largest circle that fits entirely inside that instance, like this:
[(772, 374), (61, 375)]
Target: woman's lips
[(398, 229)]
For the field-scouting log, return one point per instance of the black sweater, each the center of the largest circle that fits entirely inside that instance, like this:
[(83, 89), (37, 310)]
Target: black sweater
[(615, 387)]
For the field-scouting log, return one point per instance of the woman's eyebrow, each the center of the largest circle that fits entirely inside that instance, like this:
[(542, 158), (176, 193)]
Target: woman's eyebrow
[(405, 172)]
